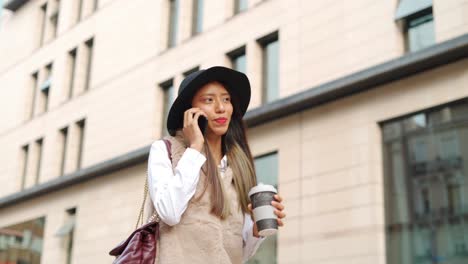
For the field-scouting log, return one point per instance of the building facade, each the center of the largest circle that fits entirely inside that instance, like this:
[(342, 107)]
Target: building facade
[(359, 115)]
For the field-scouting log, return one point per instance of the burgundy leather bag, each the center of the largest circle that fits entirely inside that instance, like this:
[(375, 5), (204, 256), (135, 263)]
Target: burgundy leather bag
[(140, 246)]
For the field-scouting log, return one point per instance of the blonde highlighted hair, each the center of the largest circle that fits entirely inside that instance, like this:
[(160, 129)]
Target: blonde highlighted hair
[(236, 148)]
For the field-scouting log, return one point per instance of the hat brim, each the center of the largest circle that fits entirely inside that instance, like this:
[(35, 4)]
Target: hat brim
[(235, 82)]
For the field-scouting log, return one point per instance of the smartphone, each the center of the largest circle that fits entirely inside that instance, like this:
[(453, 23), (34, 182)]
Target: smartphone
[(202, 123)]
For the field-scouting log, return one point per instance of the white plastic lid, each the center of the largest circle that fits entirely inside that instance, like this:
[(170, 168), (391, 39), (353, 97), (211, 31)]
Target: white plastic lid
[(262, 188)]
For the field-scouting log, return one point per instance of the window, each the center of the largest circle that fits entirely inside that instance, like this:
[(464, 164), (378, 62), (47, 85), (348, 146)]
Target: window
[(38, 160), (67, 232), (266, 168), (95, 5), (187, 73), (43, 24), (88, 7), (418, 23), (238, 59), (63, 145), (454, 197), (71, 72), (81, 131), (45, 88), (78, 10), (173, 22), (270, 67), (425, 185), (419, 32), (89, 58), (240, 6), (24, 173), (53, 18), (169, 96), (197, 17), (22, 242), (32, 100)]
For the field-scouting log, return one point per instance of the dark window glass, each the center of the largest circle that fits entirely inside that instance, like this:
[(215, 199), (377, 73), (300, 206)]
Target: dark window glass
[(238, 59), (420, 32), (64, 135), (45, 88), (22, 242), (79, 10), (54, 17), (169, 96), (71, 72), (426, 181), (39, 159), (95, 5), (89, 52), (24, 173), (43, 24), (270, 67), (81, 134), (173, 22), (266, 168), (187, 73), (35, 83), (240, 5), (197, 20)]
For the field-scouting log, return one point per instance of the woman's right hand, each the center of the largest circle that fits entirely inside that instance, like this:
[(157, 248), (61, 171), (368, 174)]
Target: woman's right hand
[(191, 130)]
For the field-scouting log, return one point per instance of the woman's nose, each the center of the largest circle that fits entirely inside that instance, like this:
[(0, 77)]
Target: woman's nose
[(219, 106)]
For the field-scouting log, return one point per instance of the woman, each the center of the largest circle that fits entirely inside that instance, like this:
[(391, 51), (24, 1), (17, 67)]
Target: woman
[(201, 193)]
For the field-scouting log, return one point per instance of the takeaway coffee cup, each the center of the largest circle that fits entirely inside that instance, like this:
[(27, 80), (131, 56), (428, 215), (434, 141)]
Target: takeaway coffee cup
[(265, 218)]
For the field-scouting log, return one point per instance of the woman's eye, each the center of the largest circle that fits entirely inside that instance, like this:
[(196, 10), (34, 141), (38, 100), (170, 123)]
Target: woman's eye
[(227, 99), (208, 100)]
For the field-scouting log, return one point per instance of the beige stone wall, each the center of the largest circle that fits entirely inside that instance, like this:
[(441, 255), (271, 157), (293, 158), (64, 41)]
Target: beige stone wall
[(330, 174), (451, 19), (331, 167), (107, 210)]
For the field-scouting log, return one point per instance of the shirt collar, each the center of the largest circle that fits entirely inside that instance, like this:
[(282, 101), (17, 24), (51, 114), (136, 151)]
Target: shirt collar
[(223, 164)]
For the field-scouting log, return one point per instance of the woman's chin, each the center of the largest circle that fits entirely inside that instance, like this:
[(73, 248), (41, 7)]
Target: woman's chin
[(218, 131)]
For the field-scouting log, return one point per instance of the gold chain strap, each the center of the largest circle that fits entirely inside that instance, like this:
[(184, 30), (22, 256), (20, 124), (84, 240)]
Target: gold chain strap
[(142, 209), (155, 216)]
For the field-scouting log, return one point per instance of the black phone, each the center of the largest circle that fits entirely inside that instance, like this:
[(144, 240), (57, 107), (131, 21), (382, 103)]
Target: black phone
[(202, 123)]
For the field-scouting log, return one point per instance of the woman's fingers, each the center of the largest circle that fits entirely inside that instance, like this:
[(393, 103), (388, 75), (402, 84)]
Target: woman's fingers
[(189, 115), (279, 206), (280, 222), (280, 214), (278, 198)]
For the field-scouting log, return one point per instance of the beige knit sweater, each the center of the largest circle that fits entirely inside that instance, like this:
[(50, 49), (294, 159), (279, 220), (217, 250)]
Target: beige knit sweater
[(201, 237)]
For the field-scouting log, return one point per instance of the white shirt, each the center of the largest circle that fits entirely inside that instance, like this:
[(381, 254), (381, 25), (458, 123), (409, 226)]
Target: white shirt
[(171, 190)]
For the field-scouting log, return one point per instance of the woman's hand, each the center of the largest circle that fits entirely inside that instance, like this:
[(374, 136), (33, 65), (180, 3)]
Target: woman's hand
[(279, 207), (191, 129)]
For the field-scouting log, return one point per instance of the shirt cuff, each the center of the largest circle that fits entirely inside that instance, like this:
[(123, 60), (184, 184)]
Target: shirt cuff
[(251, 245)]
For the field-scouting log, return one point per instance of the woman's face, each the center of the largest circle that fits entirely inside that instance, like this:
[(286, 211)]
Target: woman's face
[(215, 101)]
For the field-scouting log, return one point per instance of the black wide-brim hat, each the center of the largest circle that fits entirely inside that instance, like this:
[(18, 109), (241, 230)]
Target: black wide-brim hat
[(235, 82)]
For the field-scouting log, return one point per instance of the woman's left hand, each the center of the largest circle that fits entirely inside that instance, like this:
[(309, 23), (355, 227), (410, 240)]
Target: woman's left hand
[(279, 207)]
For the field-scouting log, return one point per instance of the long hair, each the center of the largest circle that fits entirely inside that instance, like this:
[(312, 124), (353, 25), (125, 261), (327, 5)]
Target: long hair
[(236, 148)]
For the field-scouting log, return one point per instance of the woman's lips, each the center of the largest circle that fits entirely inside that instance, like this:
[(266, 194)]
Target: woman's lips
[(221, 120)]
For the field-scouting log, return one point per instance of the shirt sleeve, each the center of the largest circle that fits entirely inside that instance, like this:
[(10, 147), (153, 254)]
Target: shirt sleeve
[(170, 190), (251, 243)]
